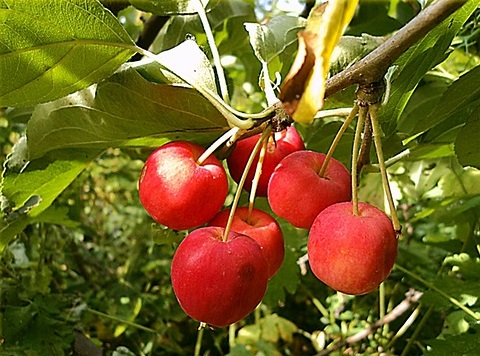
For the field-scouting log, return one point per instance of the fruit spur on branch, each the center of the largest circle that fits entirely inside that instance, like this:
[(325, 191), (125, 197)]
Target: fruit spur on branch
[(221, 269)]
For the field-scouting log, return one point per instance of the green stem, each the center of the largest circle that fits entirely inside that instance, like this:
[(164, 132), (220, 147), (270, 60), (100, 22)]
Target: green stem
[(120, 320), (338, 136), (356, 147), (417, 331), (333, 112), (221, 140), (382, 306), (320, 307), (403, 329), (213, 48), (377, 139), (452, 300), (389, 162), (256, 177), (231, 336), (198, 343), (241, 183)]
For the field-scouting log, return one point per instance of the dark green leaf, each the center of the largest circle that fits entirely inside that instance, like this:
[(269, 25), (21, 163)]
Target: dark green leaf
[(413, 64), (49, 49), (373, 18), (466, 144), (459, 94), (11, 226), (466, 344), (422, 102), (127, 110)]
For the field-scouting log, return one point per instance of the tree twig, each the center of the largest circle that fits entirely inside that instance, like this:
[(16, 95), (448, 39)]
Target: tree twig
[(412, 297), (373, 67)]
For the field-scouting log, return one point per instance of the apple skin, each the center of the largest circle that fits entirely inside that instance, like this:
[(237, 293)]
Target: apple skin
[(178, 192), (352, 254), (298, 194), (262, 227), (217, 282), (283, 143)]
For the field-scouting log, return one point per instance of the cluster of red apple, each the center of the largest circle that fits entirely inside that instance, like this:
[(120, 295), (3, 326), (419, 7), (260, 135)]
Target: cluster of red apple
[(220, 272)]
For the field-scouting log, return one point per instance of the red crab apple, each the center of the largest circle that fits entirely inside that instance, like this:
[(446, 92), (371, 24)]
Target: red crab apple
[(177, 191), (298, 194), (262, 228), (279, 145), (352, 253), (218, 282)]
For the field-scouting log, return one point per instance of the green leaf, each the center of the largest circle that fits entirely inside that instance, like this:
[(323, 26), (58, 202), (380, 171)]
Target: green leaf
[(167, 7), (48, 333), (350, 49), (372, 17), (287, 277), (422, 102), (188, 62), (11, 227), (466, 143), (45, 178), (269, 40), (125, 110), (460, 93), (49, 49), (466, 344), (414, 63)]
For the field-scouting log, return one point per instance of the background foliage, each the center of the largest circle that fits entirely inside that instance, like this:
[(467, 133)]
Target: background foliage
[(84, 270)]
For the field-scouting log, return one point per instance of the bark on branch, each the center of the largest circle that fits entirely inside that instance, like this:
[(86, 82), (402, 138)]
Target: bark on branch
[(412, 297), (373, 67)]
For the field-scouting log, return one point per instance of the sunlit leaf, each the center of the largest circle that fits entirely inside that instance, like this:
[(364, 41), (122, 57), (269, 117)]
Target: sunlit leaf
[(167, 7), (49, 49), (270, 39), (46, 178), (126, 109)]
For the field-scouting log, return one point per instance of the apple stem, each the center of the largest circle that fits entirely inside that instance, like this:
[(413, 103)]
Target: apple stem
[(389, 162), (238, 193), (231, 336), (356, 147), (220, 141), (377, 139), (333, 112), (256, 178), (338, 136), (213, 48), (198, 343)]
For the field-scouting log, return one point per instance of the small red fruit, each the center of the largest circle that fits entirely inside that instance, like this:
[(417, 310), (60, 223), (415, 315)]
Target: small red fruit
[(262, 228), (352, 254), (298, 194), (177, 191), (279, 145), (217, 282)]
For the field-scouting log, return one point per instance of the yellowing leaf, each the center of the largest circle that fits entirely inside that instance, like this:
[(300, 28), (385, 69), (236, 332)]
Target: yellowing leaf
[(302, 92)]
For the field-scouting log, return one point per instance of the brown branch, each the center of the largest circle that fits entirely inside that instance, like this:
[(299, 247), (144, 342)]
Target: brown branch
[(373, 67), (412, 297)]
